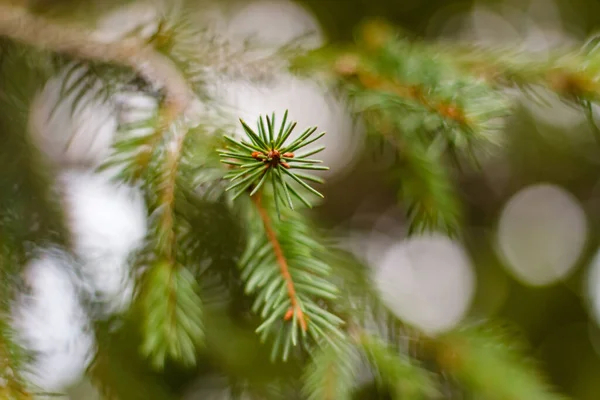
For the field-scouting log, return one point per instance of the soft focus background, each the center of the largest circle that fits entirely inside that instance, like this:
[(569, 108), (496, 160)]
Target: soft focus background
[(533, 210)]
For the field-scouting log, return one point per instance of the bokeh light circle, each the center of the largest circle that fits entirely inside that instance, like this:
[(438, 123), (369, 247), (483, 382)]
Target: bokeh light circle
[(427, 281), (541, 234)]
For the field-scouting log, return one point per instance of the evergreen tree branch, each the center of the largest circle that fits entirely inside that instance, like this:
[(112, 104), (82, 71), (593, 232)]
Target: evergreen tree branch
[(173, 326), (331, 374), (296, 309), (291, 318), (396, 372), (449, 111), (571, 74), (423, 104), (483, 359), (428, 191), (20, 25), (174, 151)]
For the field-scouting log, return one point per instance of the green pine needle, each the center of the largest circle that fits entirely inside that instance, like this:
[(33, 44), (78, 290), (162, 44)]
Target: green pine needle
[(267, 147)]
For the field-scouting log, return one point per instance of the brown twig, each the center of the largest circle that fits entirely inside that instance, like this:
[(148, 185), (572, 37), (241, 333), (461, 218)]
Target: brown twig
[(281, 260), (20, 25), (446, 110), (168, 219), (168, 192)]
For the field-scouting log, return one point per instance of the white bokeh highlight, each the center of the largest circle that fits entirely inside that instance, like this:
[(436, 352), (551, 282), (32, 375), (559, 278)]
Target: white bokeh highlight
[(541, 233), (138, 19), (50, 322), (427, 281), (108, 223), (276, 23), (66, 136)]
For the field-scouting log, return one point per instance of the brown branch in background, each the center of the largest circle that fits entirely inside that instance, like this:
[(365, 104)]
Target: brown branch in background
[(348, 65), (20, 25), (569, 75), (449, 111), (167, 198), (283, 265)]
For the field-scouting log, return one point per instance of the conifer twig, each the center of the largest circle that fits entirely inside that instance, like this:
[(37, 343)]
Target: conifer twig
[(168, 194), (173, 308), (415, 93), (18, 24), (281, 260)]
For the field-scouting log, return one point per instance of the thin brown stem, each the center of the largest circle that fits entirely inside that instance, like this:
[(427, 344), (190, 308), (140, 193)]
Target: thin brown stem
[(282, 261), (168, 192), (20, 25), (446, 110), (168, 220)]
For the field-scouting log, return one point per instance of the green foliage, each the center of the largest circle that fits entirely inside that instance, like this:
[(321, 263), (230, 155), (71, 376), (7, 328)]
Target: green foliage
[(173, 326), (485, 359), (423, 105), (84, 82), (332, 373), (266, 158), (282, 268), (396, 372), (135, 147), (427, 189)]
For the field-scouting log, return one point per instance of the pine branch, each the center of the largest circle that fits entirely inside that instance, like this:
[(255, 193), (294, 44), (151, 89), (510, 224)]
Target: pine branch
[(421, 103), (423, 89), (173, 326), (174, 149), (428, 191), (132, 154), (265, 156), (395, 371), (282, 266), (448, 111), (20, 25), (331, 374), (484, 359), (295, 310), (571, 74)]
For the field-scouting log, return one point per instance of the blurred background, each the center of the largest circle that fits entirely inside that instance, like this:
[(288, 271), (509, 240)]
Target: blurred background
[(532, 210)]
